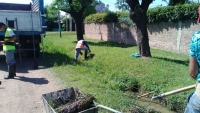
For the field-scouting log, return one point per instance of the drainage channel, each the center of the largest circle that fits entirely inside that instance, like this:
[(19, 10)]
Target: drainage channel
[(148, 104)]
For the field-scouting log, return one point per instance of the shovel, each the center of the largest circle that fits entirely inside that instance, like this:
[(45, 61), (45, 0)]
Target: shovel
[(174, 91), (163, 94)]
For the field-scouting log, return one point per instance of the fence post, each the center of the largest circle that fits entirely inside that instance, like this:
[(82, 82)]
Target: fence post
[(179, 35)]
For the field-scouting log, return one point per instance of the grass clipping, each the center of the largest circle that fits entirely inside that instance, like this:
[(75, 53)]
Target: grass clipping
[(72, 103)]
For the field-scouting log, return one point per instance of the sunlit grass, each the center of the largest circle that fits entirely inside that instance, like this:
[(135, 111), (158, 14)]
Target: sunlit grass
[(112, 71)]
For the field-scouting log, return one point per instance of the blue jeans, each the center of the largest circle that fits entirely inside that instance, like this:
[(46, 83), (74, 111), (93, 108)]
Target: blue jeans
[(193, 105), (77, 51), (10, 60)]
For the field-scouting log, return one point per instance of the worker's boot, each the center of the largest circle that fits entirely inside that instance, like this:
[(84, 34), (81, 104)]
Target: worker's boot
[(86, 54), (14, 68), (10, 72)]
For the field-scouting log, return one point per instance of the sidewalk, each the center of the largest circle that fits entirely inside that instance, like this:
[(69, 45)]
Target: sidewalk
[(24, 93)]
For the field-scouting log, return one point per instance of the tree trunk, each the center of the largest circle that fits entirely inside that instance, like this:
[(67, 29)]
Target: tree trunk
[(79, 28), (142, 35), (139, 17), (78, 17)]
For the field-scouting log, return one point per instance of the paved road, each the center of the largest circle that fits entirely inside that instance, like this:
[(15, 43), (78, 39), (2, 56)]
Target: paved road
[(23, 94)]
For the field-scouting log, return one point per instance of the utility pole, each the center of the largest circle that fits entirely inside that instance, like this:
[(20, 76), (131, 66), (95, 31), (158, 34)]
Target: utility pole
[(66, 21), (59, 23), (70, 23)]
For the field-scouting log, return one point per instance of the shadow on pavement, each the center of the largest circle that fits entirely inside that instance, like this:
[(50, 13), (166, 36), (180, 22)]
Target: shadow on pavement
[(38, 81), (23, 65)]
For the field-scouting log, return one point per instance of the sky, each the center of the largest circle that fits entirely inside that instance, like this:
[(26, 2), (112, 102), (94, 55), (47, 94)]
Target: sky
[(111, 3)]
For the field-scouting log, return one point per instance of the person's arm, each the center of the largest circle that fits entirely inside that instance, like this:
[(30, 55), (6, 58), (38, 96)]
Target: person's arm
[(13, 37), (193, 67), (194, 51)]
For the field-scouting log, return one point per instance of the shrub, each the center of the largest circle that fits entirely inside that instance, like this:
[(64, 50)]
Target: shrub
[(159, 14), (173, 13), (102, 18)]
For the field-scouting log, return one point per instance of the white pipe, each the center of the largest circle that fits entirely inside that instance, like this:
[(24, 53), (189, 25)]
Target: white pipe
[(107, 108)]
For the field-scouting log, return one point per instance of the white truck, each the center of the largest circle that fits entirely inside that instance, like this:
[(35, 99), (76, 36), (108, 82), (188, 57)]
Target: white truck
[(28, 23)]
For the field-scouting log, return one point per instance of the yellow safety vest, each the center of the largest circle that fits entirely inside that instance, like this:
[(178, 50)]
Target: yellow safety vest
[(10, 45)]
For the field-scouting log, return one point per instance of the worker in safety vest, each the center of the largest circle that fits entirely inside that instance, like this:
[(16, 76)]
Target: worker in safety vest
[(81, 45), (9, 49)]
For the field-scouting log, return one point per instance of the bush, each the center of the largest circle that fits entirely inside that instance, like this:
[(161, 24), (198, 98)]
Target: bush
[(123, 17), (102, 18), (110, 17), (159, 14), (173, 13)]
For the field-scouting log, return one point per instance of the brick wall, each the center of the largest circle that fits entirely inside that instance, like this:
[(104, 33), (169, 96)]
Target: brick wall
[(170, 36)]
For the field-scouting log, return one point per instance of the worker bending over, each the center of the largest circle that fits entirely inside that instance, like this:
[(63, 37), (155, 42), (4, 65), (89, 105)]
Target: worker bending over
[(81, 45)]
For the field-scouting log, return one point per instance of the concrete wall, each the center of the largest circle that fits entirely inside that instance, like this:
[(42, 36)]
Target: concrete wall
[(113, 32), (170, 36)]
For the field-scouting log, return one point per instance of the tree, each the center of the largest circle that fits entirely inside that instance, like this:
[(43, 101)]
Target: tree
[(76, 9), (122, 5), (139, 17), (50, 18)]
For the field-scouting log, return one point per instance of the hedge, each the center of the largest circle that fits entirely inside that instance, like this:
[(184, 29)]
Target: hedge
[(154, 15), (173, 13), (102, 18)]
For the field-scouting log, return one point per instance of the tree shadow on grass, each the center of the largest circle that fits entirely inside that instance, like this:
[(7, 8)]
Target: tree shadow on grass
[(183, 62), (107, 44), (51, 59), (46, 60), (38, 81)]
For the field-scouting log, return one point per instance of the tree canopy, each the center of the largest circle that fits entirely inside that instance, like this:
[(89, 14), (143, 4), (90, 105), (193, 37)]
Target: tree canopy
[(78, 9), (122, 5), (50, 18), (72, 6)]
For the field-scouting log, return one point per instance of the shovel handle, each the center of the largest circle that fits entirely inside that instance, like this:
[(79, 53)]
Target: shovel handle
[(180, 90), (175, 91)]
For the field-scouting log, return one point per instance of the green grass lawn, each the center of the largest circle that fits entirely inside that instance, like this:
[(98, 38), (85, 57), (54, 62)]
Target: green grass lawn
[(110, 72)]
